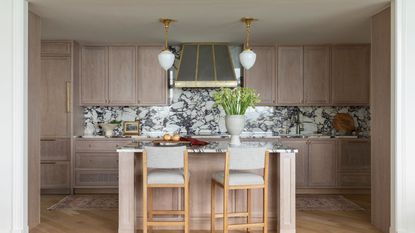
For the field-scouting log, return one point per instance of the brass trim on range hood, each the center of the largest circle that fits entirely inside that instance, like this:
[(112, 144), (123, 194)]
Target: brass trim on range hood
[(226, 76)]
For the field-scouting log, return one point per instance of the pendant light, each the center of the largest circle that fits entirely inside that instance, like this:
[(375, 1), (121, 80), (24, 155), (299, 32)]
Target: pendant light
[(166, 57), (247, 57)]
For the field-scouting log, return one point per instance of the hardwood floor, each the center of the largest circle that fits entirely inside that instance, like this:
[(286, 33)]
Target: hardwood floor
[(105, 221)]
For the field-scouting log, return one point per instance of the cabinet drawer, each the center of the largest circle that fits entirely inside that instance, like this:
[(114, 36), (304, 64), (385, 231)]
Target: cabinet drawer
[(354, 180), (96, 160), (98, 146), (56, 48), (96, 178), (55, 175), (55, 149)]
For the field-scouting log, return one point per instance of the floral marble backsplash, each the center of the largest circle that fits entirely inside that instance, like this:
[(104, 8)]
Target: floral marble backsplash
[(192, 111)]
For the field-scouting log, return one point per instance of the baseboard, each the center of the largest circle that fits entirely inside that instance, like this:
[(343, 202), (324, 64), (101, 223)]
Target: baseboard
[(331, 191), (95, 191)]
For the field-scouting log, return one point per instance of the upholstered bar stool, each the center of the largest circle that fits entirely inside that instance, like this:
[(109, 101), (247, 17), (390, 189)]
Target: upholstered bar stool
[(238, 175), (165, 167)]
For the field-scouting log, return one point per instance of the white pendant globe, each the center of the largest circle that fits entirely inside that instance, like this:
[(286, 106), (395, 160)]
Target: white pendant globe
[(247, 58), (166, 59)]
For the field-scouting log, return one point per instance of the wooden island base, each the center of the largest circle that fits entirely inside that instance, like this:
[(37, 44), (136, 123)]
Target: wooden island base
[(202, 166)]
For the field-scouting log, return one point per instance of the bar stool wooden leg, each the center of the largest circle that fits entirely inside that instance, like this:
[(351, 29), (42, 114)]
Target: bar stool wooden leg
[(212, 206), (186, 208), (225, 208), (150, 207), (145, 208), (265, 193), (248, 207)]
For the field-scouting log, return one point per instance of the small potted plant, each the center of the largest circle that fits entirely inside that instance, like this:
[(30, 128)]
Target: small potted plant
[(235, 102), (109, 127)]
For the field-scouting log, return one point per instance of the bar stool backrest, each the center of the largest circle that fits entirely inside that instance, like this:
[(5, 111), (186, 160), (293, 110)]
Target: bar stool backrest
[(165, 157), (246, 158)]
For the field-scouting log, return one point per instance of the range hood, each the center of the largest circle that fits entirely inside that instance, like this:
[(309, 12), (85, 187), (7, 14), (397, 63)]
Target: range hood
[(205, 65)]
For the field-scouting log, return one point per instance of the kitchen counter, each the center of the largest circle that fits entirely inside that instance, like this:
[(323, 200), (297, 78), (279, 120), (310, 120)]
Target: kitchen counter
[(215, 147)]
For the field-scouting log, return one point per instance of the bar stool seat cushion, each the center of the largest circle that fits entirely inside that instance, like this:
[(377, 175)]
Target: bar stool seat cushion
[(239, 178), (165, 176)]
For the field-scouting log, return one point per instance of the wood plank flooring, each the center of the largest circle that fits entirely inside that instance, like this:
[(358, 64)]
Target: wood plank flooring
[(105, 221)]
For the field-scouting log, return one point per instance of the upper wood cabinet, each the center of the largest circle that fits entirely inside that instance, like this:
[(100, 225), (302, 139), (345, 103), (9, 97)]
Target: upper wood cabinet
[(317, 75), (55, 96), (350, 74), (322, 163), (290, 75), (121, 75), (152, 79), (261, 76), (94, 75)]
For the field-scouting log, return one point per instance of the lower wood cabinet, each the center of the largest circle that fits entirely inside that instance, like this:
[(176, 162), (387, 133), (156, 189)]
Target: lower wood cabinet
[(322, 163), (55, 177), (55, 165), (331, 164), (96, 163)]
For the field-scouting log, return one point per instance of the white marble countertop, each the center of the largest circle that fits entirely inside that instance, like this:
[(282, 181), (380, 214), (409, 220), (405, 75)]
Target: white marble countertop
[(215, 147)]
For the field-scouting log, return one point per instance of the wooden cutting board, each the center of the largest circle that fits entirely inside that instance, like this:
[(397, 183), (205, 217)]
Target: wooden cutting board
[(343, 122)]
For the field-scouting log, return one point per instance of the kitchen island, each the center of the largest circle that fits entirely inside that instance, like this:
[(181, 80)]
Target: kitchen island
[(203, 162)]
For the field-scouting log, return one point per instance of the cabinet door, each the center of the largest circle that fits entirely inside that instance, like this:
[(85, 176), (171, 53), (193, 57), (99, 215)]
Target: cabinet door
[(261, 76), (317, 75), (55, 175), (94, 75), (290, 75), (301, 161), (354, 155), (55, 149), (56, 76), (152, 79), (122, 75), (350, 74), (322, 163)]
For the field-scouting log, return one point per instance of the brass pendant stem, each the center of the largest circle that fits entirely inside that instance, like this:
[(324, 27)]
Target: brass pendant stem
[(248, 23), (166, 23)]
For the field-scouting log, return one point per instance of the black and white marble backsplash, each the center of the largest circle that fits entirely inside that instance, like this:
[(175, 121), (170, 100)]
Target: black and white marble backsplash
[(192, 111)]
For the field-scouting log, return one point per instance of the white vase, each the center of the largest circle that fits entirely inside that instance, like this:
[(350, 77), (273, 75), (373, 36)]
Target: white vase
[(235, 125), (109, 129)]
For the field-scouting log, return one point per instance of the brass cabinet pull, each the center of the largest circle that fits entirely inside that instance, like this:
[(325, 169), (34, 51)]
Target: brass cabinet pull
[(47, 139), (68, 97)]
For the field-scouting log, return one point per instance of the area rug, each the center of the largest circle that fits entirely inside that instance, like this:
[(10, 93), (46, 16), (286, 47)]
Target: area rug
[(325, 202), (86, 202)]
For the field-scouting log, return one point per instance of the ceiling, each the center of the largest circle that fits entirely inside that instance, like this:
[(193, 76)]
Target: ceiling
[(282, 21)]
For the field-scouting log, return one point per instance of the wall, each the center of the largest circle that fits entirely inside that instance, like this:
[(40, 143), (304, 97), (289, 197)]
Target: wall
[(192, 111)]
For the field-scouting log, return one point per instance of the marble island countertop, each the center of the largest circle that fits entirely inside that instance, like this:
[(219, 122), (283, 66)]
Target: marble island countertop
[(214, 147)]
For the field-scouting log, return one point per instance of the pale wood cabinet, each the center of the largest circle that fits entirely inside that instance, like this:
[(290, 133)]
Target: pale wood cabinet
[(152, 79), (354, 164), (261, 76), (290, 75), (55, 48), (317, 75), (322, 163), (94, 75), (55, 81), (122, 75), (350, 71), (96, 164), (56, 149), (301, 161), (55, 177)]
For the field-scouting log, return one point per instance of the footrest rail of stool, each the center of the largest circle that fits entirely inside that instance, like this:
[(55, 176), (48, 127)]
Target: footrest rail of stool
[(164, 223), (233, 215), (248, 225)]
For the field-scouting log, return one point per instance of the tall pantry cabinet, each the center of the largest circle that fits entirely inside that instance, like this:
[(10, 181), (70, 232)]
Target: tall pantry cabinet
[(58, 75)]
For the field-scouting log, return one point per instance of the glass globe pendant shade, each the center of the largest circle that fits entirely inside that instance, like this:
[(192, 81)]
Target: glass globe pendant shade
[(166, 59), (247, 58)]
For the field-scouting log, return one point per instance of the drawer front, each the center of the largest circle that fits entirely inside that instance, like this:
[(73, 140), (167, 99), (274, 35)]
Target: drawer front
[(98, 146), (96, 160), (55, 149), (96, 178), (55, 175), (56, 48), (354, 180)]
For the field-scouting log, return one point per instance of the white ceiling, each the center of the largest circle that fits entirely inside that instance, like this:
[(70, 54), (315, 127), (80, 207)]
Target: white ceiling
[(283, 21)]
